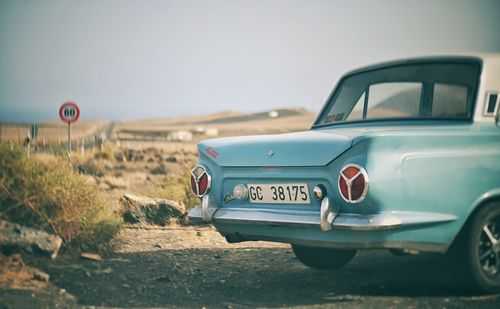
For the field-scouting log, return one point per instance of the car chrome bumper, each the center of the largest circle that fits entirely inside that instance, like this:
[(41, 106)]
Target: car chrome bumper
[(327, 219)]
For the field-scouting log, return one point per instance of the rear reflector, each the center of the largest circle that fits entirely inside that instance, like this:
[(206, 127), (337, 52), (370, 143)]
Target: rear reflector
[(353, 183), (200, 180)]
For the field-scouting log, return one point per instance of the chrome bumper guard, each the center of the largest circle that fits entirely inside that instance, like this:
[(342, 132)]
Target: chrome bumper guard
[(328, 218), (207, 212), (327, 214)]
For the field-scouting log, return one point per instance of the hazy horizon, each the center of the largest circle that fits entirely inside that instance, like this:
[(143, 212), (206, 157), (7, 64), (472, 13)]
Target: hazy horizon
[(121, 60)]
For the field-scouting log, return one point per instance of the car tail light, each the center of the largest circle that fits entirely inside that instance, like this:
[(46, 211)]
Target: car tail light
[(200, 180), (353, 183)]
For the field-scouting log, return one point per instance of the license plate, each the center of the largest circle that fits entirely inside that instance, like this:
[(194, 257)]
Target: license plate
[(290, 193)]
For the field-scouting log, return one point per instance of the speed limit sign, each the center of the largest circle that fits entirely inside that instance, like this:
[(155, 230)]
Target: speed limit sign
[(69, 112)]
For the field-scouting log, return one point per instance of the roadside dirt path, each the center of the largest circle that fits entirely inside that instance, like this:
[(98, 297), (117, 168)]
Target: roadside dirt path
[(193, 267)]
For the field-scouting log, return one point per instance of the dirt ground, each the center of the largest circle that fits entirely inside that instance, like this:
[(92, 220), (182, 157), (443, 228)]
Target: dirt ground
[(193, 267)]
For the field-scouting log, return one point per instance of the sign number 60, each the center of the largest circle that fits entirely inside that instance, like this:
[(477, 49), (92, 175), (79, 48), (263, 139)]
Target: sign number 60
[(69, 112)]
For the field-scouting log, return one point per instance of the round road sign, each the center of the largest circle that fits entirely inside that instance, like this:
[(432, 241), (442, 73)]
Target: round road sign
[(69, 112)]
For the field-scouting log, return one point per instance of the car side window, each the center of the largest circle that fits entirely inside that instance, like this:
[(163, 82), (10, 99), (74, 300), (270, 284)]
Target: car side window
[(449, 101), (394, 100), (347, 97), (357, 111)]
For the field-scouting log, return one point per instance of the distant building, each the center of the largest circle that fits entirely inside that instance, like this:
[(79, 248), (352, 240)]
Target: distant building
[(212, 132), (206, 131), (273, 114), (180, 136), (199, 130)]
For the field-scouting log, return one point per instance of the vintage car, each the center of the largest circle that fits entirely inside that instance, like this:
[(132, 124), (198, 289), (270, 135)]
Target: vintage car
[(404, 155)]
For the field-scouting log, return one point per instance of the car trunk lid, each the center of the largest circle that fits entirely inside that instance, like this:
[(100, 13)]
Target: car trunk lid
[(309, 148)]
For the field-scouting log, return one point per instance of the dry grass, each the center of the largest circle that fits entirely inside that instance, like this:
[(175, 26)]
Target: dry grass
[(174, 186), (49, 195)]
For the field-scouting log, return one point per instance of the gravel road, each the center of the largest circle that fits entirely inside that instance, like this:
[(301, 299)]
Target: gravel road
[(193, 267)]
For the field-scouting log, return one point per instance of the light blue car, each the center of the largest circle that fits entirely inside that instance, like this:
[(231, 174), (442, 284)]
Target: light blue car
[(404, 155)]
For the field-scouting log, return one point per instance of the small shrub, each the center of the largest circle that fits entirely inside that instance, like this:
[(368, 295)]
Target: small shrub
[(119, 157), (132, 155), (49, 195), (171, 159), (161, 169), (92, 167), (107, 153)]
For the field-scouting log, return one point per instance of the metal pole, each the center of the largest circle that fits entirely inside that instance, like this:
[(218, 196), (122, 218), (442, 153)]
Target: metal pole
[(69, 138)]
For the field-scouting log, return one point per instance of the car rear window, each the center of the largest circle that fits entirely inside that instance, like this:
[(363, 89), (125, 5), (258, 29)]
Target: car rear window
[(427, 90), (449, 101)]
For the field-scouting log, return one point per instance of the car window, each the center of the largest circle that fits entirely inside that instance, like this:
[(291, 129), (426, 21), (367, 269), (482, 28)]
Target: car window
[(394, 100), (449, 100), (427, 90), (357, 111)]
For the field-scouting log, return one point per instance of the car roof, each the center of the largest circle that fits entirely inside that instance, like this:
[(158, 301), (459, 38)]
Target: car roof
[(484, 58), (490, 74)]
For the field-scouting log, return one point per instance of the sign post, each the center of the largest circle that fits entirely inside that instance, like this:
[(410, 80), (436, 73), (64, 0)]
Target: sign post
[(69, 113), (69, 137), (34, 131)]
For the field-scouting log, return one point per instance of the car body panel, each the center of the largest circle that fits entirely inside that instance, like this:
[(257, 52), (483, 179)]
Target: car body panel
[(426, 178)]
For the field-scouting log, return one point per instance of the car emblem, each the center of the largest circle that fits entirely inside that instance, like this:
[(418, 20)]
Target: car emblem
[(270, 153), (212, 152)]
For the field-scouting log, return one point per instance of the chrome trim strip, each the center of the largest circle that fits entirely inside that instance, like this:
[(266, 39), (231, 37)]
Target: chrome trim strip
[(415, 218), (267, 216), (343, 221), (366, 222)]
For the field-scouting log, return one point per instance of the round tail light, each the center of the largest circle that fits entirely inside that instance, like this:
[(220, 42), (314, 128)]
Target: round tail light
[(200, 180), (353, 183)]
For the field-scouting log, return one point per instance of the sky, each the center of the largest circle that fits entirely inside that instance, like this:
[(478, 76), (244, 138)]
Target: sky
[(131, 59)]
